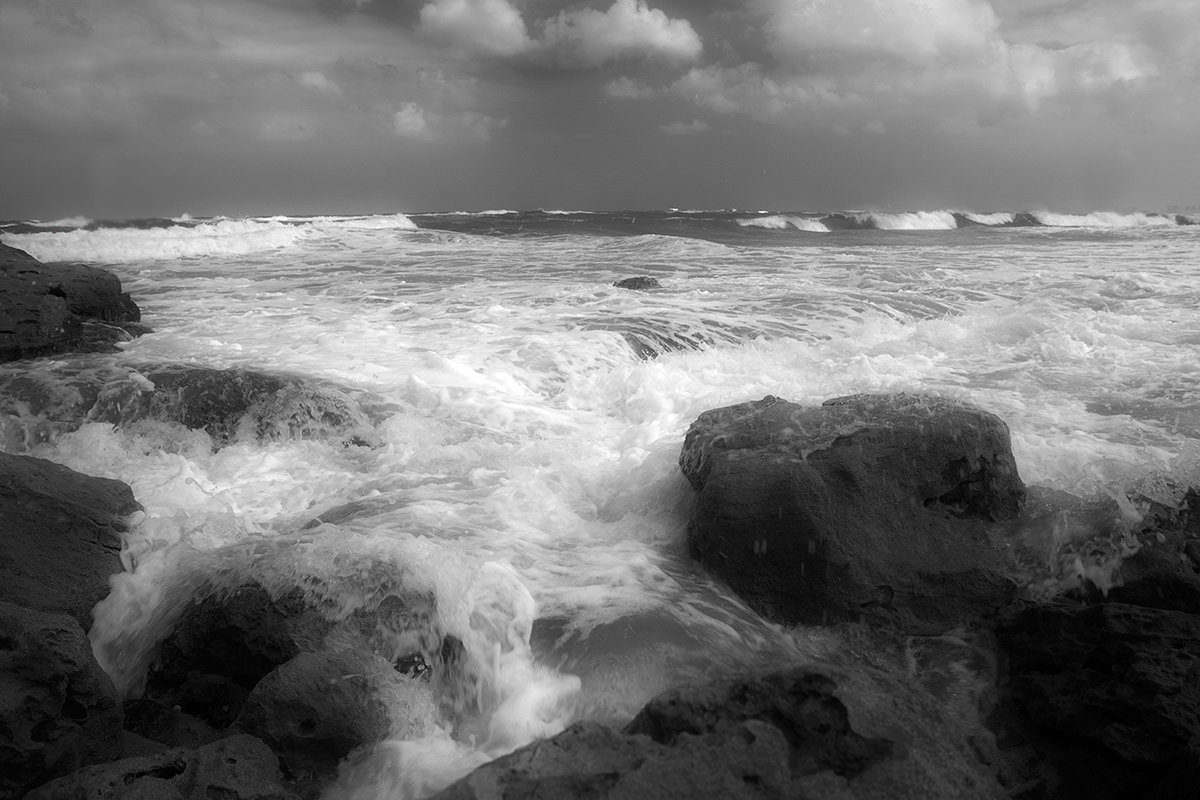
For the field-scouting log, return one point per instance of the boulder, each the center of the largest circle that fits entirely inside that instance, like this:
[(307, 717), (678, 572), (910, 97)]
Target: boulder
[(836, 732), (225, 642), (1100, 701), (60, 535), (58, 709), (317, 707), (870, 506), (42, 306), (235, 768), (638, 283)]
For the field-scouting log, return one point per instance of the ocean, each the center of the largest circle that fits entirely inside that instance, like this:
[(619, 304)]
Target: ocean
[(519, 418)]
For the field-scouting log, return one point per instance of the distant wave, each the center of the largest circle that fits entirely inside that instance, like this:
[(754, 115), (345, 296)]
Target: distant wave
[(781, 222), (161, 239), (1102, 219)]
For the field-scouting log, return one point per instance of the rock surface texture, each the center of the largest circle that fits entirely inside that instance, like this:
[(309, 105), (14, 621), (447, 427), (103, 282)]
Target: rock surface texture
[(869, 506), (58, 710), (820, 732), (43, 306), (60, 535)]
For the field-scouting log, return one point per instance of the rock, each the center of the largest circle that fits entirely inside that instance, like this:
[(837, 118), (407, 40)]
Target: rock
[(639, 283), (235, 768), (60, 535), (166, 724), (58, 709), (317, 707), (1105, 698), (877, 506), (804, 733), (224, 643), (235, 403), (42, 305)]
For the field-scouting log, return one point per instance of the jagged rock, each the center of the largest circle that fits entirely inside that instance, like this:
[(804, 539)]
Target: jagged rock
[(235, 768), (60, 535), (58, 709), (317, 707), (639, 283), (1101, 701), (808, 732), (870, 505), (42, 305), (225, 642)]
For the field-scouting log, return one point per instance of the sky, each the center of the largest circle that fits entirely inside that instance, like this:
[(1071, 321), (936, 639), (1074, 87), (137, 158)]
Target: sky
[(127, 108)]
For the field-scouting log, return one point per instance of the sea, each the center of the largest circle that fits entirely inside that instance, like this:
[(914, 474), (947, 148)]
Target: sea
[(518, 417)]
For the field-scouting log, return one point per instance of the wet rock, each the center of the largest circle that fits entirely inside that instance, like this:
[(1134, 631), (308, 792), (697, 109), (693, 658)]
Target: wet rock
[(225, 642), (235, 768), (808, 732), (317, 707), (60, 535), (42, 306), (171, 726), (58, 709), (871, 506), (639, 283), (1100, 701)]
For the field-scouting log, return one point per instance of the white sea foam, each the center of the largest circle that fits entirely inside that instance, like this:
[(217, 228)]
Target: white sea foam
[(218, 237), (67, 222), (998, 218), (1102, 219), (914, 221), (781, 222)]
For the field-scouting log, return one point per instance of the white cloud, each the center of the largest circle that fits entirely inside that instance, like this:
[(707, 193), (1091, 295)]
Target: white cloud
[(692, 128), (628, 89), (318, 82), (916, 31), (414, 122), (484, 27), (628, 29)]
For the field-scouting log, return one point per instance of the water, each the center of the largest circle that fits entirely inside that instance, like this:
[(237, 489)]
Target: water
[(521, 417)]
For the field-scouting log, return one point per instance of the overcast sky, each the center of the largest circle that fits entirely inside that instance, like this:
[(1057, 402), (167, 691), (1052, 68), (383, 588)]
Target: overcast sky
[(117, 108)]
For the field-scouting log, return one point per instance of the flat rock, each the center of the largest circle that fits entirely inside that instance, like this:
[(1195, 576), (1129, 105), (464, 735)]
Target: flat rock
[(235, 768), (870, 506), (60, 535), (58, 709)]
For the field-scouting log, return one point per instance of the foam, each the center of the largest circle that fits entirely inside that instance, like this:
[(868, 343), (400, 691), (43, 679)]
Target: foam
[(914, 221), (782, 222), (1102, 219), (67, 222), (998, 218)]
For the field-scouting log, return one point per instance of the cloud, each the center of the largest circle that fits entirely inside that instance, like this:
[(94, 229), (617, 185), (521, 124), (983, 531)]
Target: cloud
[(483, 27), (629, 89), (692, 128), (285, 128), (628, 29), (318, 82), (414, 122)]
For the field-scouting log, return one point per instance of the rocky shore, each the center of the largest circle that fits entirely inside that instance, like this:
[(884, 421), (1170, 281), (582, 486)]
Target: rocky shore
[(975, 663)]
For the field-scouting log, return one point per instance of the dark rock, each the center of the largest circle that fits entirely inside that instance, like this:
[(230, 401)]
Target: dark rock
[(1100, 701), (639, 283), (103, 337), (60, 535), (827, 733), (872, 505), (225, 642), (167, 724), (42, 305), (317, 707), (235, 768), (58, 709)]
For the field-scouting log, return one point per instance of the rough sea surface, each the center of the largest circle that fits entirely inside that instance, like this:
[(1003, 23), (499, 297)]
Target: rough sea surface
[(517, 418)]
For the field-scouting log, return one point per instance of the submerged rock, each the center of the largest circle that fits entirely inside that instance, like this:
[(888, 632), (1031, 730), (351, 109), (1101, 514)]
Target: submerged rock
[(60, 535), (825, 732), (43, 306), (235, 768), (639, 283), (58, 709), (317, 707), (876, 506)]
